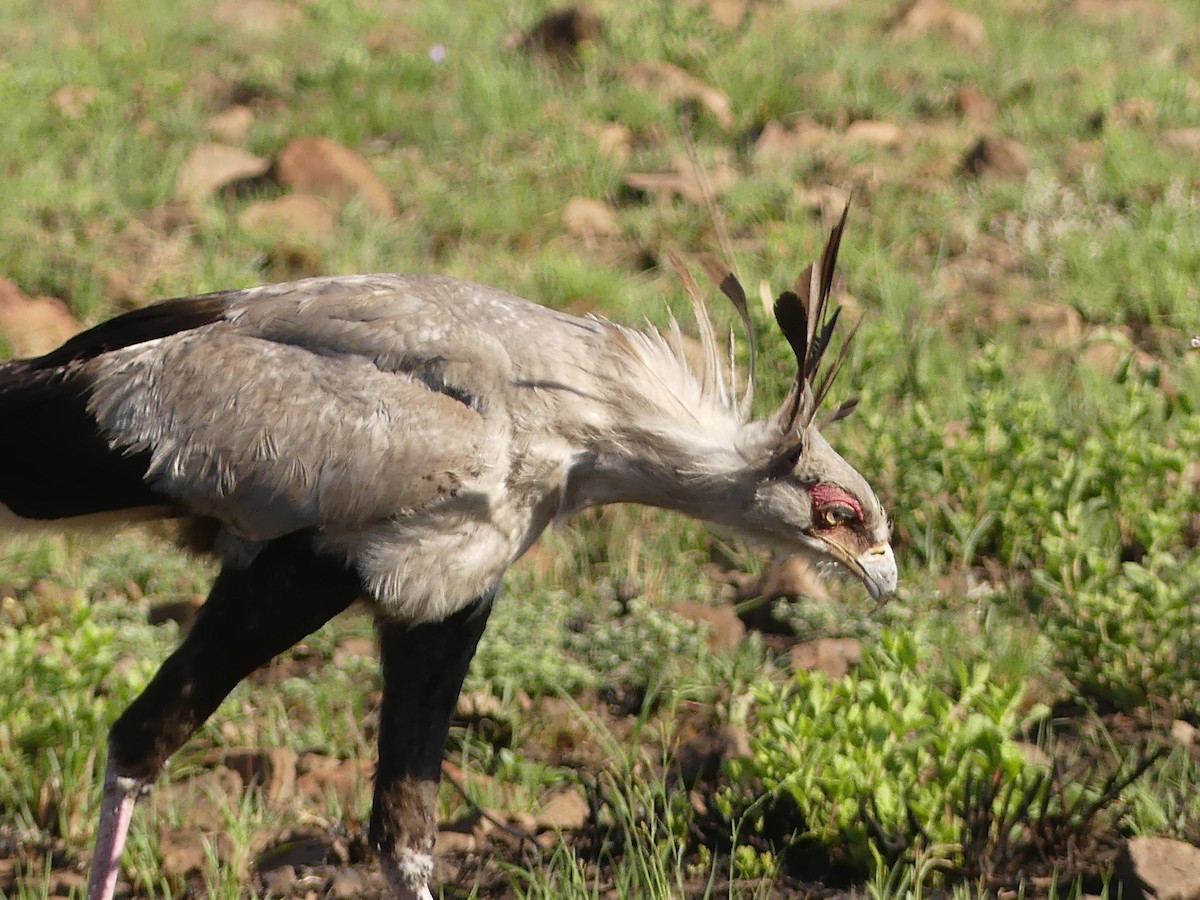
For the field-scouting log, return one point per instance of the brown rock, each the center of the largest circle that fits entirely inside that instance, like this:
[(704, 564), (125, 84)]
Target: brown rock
[(827, 199), (790, 577), (33, 325), (1186, 140), (300, 217), (1160, 868), (273, 770), (346, 884), (74, 100), (318, 776), (998, 157), (974, 105), (1057, 323), (257, 16), (589, 219), (182, 851), (614, 140), (1150, 10), (916, 18), (564, 810), (1184, 732), (322, 166), (1082, 154), (672, 84), (279, 882), (64, 883), (562, 33), (876, 134), (779, 147), (1139, 111), (1104, 355), (456, 841), (210, 167), (683, 181), (728, 14), (208, 797), (700, 757), (479, 705), (230, 126), (727, 629), (833, 656), (352, 647)]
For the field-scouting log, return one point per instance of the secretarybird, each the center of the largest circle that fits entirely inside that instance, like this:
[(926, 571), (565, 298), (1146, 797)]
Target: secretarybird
[(403, 439)]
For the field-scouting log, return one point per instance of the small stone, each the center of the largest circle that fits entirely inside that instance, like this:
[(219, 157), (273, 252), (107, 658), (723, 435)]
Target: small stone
[(974, 105), (257, 17), (779, 146), (1183, 139), (1057, 324), (588, 219), (874, 133), (614, 140), (833, 656), (1159, 868), (230, 126), (683, 181), (279, 882), (354, 648), (182, 851), (727, 629), (346, 884), (923, 17), (1139, 111), (322, 166), (998, 157), (788, 578), (728, 14), (1184, 732), (456, 842), (33, 325), (564, 810), (672, 85), (210, 167), (74, 100), (272, 769), (296, 216)]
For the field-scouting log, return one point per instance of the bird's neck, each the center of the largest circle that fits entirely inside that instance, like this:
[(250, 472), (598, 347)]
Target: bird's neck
[(662, 440)]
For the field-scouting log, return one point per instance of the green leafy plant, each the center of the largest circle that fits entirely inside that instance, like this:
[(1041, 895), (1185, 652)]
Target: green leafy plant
[(891, 744)]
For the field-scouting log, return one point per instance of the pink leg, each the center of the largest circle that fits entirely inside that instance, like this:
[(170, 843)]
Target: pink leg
[(116, 812)]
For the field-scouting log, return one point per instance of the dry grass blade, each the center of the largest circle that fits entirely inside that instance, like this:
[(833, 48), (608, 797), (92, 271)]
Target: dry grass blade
[(708, 336)]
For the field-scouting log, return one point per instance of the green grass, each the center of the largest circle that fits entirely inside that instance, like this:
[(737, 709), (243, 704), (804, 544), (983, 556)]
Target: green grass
[(1046, 509)]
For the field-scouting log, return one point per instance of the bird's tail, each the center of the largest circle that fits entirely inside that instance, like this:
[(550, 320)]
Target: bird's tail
[(54, 462)]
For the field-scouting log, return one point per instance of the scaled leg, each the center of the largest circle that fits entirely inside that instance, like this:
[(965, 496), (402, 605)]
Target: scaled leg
[(423, 671), (251, 616)]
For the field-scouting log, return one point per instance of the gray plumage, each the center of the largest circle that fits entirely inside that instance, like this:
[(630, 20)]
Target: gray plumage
[(408, 438)]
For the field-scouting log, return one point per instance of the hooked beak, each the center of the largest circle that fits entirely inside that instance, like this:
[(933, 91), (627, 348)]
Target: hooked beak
[(875, 568)]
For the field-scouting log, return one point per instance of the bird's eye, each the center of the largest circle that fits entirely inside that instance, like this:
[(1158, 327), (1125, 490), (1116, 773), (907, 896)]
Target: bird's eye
[(838, 514)]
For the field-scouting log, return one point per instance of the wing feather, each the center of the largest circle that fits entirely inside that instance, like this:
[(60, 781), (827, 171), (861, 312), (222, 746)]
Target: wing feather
[(274, 437)]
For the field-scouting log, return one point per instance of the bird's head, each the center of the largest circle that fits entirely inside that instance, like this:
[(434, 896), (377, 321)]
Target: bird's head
[(802, 496), (807, 499)]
